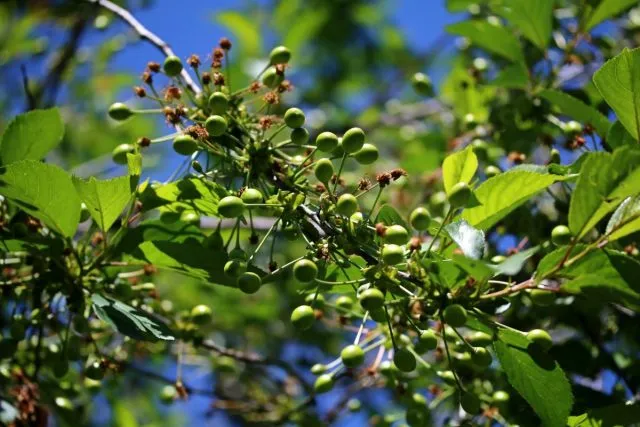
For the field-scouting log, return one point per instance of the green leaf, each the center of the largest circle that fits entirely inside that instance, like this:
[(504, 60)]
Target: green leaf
[(619, 137), (620, 415), (459, 167), (485, 35), (468, 239), (130, 321), (575, 108), (476, 268), (536, 376), (30, 136), (389, 216), (533, 18), (605, 181), (619, 83), (134, 164), (513, 76), (105, 199), (607, 9), (513, 264), (190, 194), (461, 5), (505, 192), (245, 30), (44, 191), (625, 220)]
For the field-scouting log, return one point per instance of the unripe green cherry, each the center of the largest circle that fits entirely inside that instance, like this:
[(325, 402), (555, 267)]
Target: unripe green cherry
[(572, 127), (420, 219), (201, 314), (428, 340), (84, 213), (168, 394), (185, 145), (542, 297), (392, 254), (230, 207), (249, 283), (561, 235), (294, 118), (371, 299), (323, 170), (480, 339), (323, 384), (218, 102), (354, 405), (470, 403), (480, 148), (190, 217), (271, 78), (299, 136), (422, 84), (347, 205), (346, 302), (119, 154), (318, 369), (234, 268), (448, 377), (498, 259), (94, 370), (172, 66), (302, 317), (305, 271), (279, 55), (541, 338), (352, 356), (64, 404), (353, 140), (455, 315), (251, 196), (470, 121), (554, 156), (404, 360), (120, 111), (239, 254), (396, 234), (367, 155), (327, 142), (315, 300), (500, 396), (491, 171), (438, 200), (216, 125), (459, 195), (481, 357)]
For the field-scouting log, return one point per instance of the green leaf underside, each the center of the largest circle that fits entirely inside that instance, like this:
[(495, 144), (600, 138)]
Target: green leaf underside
[(500, 195), (30, 136), (513, 264), (459, 167), (130, 321), (536, 376), (625, 220), (468, 239), (575, 108), (608, 9), (486, 35), (620, 415), (44, 191), (533, 18), (105, 199)]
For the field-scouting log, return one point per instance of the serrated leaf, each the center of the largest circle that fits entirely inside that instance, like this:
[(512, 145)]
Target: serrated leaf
[(389, 216), (459, 167), (619, 137), (513, 76), (536, 376), (105, 199), (190, 194), (505, 192), (485, 35), (620, 415), (533, 18), (30, 136), (575, 108), (619, 83), (130, 321), (625, 220), (513, 264), (468, 239), (605, 181), (44, 191), (607, 9)]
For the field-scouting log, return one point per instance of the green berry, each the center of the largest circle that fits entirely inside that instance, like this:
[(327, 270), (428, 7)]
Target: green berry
[(201, 314), (315, 300), (323, 384), (271, 78), (354, 405), (422, 84), (428, 340), (448, 377), (279, 55), (561, 235), (64, 403), (573, 127), (218, 102), (371, 299), (470, 403), (396, 234), (323, 170), (168, 394), (84, 213), (353, 140), (216, 125), (347, 205), (500, 396), (239, 254), (172, 66), (491, 171), (94, 370), (234, 268), (438, 200), (302, 317), (318, 369), (542, 297), (404, 360), (185, 145), (541, 338), (480, 148), (480, 339), (346, 302), (470, 121), (299, 136), (190, 217), (327, 142), (554, 156), (249, 283), (305, 271), (498, 259), (120, 111), (367, 155), (231, 207), (251, 196), (392, 254), (119, 154), (352, 356), (294, 118), (459, 195), (481, 357), (455, 315), (420, 219)]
